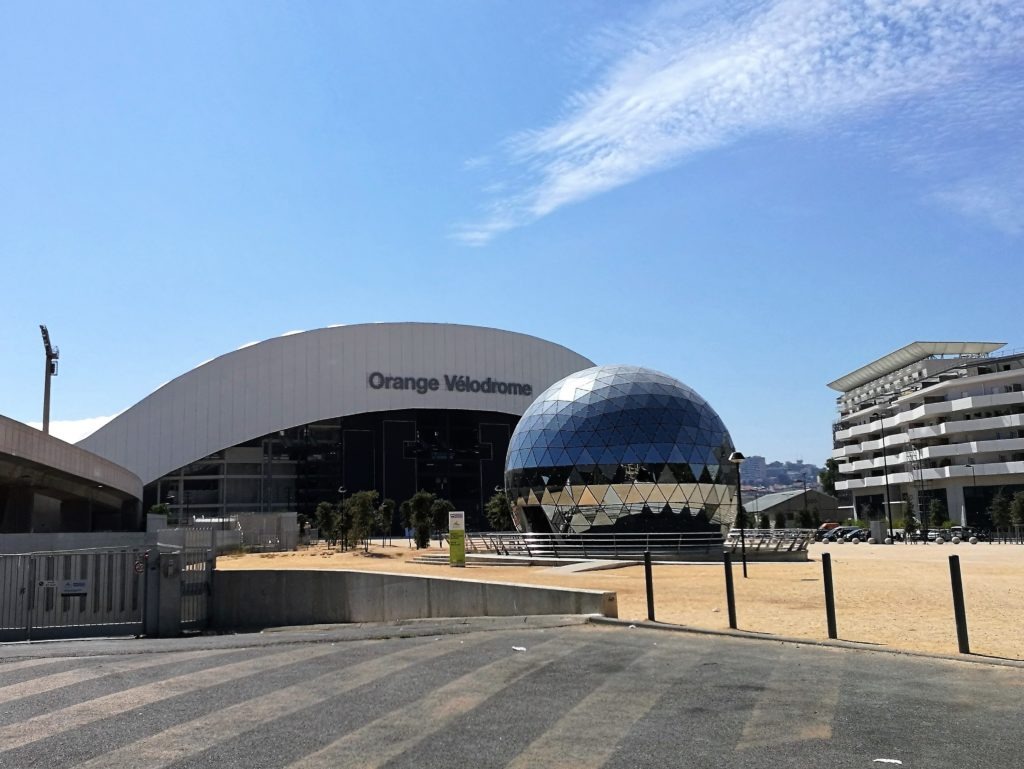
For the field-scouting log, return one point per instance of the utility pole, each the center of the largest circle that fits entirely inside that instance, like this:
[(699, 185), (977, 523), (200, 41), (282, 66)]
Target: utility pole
[(52, 354), (803, 480)]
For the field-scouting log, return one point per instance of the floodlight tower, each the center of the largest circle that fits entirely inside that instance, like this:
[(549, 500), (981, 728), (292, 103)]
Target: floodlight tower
[(52, 354)]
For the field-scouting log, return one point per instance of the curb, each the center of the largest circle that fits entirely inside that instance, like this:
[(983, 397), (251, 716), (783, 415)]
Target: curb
[(974, 659)]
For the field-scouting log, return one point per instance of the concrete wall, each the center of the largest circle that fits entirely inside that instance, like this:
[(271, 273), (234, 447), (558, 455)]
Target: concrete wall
[(47, 484), (253, 599), (38, 543)]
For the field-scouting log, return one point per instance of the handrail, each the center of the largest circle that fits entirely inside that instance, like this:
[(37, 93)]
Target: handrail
[(596, 545)]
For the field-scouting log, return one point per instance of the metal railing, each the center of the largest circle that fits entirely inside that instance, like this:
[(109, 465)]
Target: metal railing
[(591, 546), (770, 540)]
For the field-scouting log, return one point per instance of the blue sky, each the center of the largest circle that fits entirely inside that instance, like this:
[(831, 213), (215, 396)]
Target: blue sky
[(753, 197)]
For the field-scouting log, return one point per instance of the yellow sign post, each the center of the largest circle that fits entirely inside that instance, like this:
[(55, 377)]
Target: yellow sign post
[(456, 538)]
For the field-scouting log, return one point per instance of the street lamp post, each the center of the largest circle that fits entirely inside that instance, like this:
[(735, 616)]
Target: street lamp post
[(341, 515), (974, 485), (737, 459), (803, 480), (885, 472), (52, 354), (170, 501)]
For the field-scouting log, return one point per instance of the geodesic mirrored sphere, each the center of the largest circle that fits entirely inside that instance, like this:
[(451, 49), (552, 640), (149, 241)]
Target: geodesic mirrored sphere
[(620, 448)]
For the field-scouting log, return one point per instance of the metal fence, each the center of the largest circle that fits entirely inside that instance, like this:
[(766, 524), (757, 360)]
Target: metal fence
[(74, 593), (595, 545), (770, 540)]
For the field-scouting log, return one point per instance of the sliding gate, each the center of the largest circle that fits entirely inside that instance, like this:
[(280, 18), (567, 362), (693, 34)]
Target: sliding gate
[(199, 556), (72, 594)]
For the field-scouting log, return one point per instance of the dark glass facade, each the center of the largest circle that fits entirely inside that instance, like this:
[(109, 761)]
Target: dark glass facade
[(457, 454), (620, 448)]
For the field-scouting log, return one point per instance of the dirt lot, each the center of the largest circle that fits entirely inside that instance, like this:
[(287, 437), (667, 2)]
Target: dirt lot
[(897, 596)]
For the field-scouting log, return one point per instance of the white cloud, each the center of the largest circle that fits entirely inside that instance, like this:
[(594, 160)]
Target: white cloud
[(687, 85), (73, 430), (995, 198)]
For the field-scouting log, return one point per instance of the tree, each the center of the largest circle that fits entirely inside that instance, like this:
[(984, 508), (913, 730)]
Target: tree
[(344, 525), (926, 519), (806, 519), (763, 521), (326, 516), (499, 512), (362, 510), (419, 508), (161, 508), (1000, 510), (828, 477), (909, 523), (1017, 508), (937, 513), (385, 517), (439, 510), (780, 520)]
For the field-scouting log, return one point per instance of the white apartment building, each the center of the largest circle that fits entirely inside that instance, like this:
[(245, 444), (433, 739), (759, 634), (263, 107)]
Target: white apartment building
[(932, 420)]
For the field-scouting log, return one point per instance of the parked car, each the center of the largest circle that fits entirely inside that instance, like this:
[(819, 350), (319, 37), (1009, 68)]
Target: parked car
[(824, 529), (963, 532), (839, 532), (861, 535)]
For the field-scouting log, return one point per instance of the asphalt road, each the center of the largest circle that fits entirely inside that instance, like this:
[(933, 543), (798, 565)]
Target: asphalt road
[(509, 693)]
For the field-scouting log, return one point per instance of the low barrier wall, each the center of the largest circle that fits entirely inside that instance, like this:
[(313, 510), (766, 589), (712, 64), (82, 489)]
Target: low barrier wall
[(258, 598)]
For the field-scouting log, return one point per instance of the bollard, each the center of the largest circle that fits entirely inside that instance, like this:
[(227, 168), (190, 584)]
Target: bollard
[(959, 611), (730, 596), (650, 585), (830, 599)]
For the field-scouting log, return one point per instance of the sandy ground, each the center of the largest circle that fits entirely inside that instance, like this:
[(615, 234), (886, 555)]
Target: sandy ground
[(896, 596)]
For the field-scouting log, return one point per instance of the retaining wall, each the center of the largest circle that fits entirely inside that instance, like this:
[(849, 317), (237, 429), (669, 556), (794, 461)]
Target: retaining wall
[(258, 598)]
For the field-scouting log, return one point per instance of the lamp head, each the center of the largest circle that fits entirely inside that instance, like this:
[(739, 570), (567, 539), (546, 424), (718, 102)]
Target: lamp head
[(736, 457)]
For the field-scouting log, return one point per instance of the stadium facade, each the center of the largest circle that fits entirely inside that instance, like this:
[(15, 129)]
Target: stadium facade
[(284, 424)]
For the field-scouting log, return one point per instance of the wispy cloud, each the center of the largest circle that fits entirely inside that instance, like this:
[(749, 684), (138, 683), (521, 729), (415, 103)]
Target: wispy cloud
[(996, 198), (687, 85)]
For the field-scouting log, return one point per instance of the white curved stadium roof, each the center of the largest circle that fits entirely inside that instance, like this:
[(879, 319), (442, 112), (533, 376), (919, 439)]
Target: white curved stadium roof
[(911, 353), (313, 375)]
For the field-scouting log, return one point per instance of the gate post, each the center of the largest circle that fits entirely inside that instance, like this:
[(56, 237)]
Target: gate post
[(151, 618), (169, 622)]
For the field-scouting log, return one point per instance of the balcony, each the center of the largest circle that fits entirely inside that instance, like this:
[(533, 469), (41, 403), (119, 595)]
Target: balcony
[(974, 402), (845, 451), (989, 473), (875, 482), (967, 426), (974, 448)]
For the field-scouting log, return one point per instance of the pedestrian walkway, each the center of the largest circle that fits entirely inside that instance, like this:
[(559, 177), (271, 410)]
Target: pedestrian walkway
[(489, 695)]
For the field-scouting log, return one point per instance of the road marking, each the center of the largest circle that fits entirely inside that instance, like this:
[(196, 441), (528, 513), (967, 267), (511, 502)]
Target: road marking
[(74, 716), (587, 735), (31, 663), (791, 709), (193, 737), (108, 666), (394, 733)]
